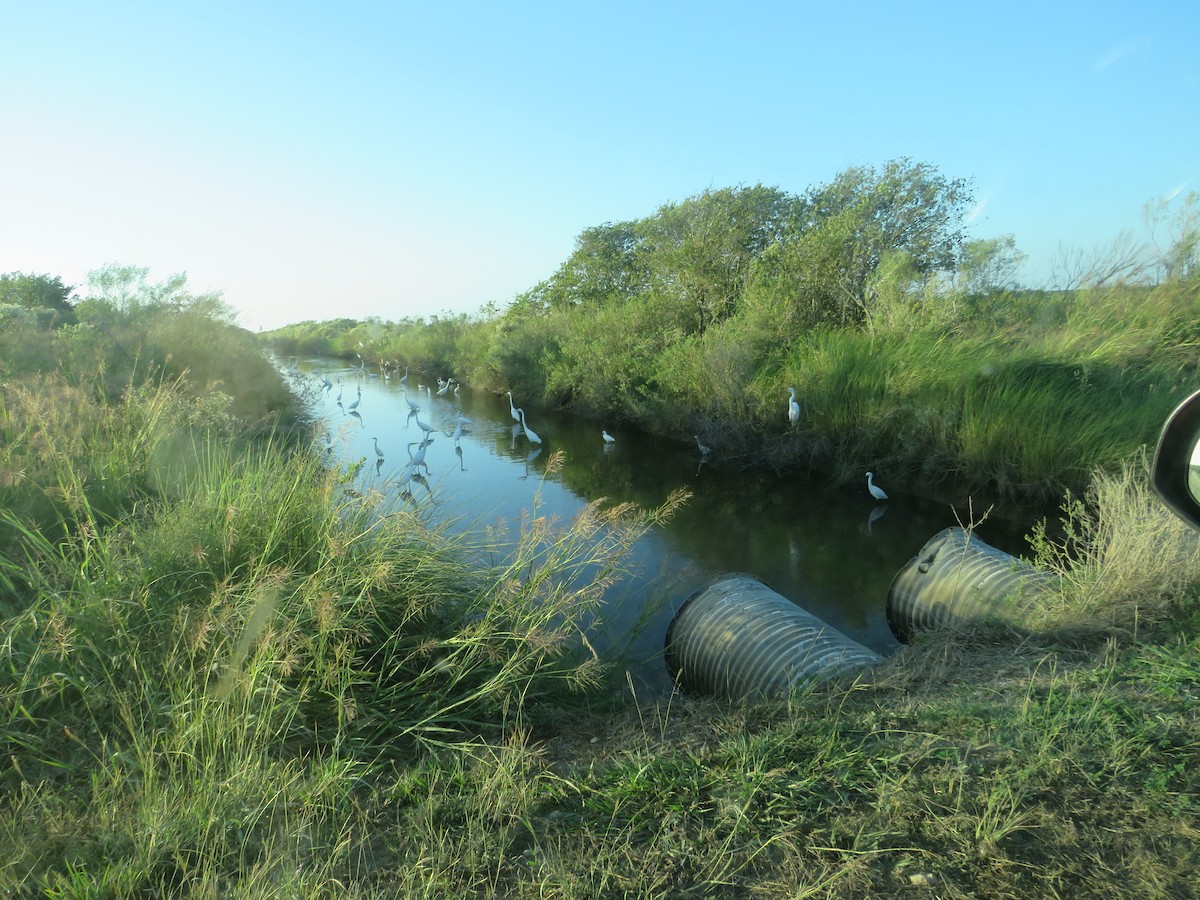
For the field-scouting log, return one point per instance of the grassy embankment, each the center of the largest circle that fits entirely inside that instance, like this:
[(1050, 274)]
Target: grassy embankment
[(223, 673), (1007, 396)]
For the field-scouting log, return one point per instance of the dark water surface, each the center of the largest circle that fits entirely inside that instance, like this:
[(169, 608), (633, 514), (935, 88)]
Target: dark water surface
[(832, 551)]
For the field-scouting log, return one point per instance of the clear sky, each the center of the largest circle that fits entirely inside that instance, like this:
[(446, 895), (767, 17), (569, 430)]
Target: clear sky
[(315, 160)]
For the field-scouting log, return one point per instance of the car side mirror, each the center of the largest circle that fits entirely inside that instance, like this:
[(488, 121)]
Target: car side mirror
[(1175, 474)]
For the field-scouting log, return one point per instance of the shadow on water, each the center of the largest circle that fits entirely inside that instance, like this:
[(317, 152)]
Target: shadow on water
[(832, 551)]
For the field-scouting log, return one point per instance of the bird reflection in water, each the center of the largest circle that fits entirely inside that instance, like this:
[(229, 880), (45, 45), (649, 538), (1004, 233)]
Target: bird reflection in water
[(420, 479), (530, 457), (355, 414), (458, 453), (875, 515)]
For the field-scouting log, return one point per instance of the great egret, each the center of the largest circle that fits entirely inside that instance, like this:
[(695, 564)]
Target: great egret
[(404, 377), (458, 432), (378, 452), (418, 458), (445, 386), (338, 399), (704, 451), (529, 433), (425, 428), (793, 407), (326, 383), (876, 491), (608, 438), (512, 409), (415, 407), (353, 406)]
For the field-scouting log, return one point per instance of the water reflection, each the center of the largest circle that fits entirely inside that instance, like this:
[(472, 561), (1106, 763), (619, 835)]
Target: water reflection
[(833, 551), (529, 457)]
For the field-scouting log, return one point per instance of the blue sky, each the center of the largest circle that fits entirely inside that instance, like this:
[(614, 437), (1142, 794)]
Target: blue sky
[(314, 160)]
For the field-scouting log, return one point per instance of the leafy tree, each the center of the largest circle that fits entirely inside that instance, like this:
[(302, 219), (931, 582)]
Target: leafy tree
[(38, 292), (702, 249), (607, 264), (864, 215), (990, 264)]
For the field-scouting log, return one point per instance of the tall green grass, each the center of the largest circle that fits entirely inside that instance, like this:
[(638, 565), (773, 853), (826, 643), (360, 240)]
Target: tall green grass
[(208, 657)]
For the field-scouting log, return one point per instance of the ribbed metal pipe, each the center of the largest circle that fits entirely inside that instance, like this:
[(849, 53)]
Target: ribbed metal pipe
[(738, 639), (957, 579)]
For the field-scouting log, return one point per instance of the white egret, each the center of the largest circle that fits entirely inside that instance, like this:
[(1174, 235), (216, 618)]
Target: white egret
[(512, 409), (445, 386), (425, 428), (529, 433), (876, 491), (404, 377), (338, 399), (378, 452), (418, 458), (704, 451), (458, 433), (353, 406), (415, 407), (793, 407), (608, 438)]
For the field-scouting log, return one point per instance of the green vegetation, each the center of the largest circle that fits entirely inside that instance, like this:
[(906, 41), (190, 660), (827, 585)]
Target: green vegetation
[(911, 348), (226, 672)]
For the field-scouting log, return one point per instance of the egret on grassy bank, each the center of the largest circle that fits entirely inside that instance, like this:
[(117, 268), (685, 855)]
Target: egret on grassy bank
[(876, 491), (793, 407)]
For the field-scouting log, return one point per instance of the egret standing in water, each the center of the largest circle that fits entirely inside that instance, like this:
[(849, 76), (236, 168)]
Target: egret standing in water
[(608, 438), (378, 452), (512, 409), (424, 427), (353, 406), (704, 451), (876, 491), (529, 433), (793, 407)]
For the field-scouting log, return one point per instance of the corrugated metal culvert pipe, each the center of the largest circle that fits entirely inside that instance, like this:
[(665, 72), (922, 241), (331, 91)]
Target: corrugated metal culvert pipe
[(738, 639), (957, 579)]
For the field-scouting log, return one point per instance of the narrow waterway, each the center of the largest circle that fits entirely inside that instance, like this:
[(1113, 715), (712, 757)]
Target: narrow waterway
[(832, 551)]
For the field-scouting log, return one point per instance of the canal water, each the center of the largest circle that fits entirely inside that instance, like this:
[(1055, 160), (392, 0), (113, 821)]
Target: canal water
[(833, 551)]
